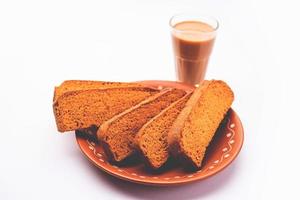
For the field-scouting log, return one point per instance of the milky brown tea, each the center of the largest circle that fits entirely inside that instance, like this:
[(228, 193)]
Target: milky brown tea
[(192, 42)]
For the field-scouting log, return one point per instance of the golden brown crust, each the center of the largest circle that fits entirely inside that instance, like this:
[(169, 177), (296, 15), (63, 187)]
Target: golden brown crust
[(158, 137), (208, 100), (74, 116), (107, 123), (118, 133), (102, 133), (174, 135), (114, 102), (74, 85), (103, 130)]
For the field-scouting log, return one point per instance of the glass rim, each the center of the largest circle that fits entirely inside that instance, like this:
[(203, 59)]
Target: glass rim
[(195, 15)]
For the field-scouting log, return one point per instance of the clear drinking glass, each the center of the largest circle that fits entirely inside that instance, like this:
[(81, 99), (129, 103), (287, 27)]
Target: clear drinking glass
[(193, 38)]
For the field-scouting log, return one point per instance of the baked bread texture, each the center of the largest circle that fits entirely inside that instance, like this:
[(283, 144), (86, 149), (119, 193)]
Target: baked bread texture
[(198, 121), (78, 109), (151, 140), (75, 85), (117, 134)]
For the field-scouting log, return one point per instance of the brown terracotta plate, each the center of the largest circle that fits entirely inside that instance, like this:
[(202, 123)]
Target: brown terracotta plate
[(224, 148)]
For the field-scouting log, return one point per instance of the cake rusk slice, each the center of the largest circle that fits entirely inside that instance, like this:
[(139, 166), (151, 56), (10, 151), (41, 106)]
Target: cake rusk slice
[(83, 108), (198, 121), (74, 85), (151, 140), (117, 134)]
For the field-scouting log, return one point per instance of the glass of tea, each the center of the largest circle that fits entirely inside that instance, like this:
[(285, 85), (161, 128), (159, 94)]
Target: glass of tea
[(193, 38)]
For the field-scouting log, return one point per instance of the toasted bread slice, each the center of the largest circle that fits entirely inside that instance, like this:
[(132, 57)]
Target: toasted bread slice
[(151, 140), (81, 109), (198, 121), (117, 134)]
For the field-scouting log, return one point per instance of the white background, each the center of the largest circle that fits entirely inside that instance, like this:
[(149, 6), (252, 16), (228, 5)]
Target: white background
[(43, 43)]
